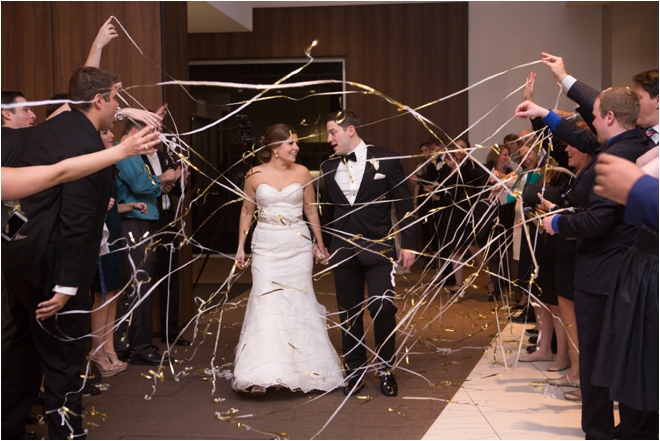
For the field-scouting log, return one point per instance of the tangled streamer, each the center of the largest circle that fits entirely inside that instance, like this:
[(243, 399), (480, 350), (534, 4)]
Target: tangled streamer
[(423, 303)]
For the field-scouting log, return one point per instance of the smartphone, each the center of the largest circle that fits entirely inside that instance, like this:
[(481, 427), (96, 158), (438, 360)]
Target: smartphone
[(16, 222)]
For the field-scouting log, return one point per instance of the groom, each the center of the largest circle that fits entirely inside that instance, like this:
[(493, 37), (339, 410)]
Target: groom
[(357, 214)]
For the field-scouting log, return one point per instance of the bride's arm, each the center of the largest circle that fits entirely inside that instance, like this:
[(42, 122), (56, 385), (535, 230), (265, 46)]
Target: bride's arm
[(312, 215), (244, 222)]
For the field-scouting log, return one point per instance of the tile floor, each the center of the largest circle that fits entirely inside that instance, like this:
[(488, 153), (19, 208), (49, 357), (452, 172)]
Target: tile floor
[(500, 403)]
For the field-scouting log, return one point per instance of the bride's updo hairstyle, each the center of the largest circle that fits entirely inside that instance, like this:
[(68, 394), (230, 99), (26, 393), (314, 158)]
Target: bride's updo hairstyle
[(274, 136)]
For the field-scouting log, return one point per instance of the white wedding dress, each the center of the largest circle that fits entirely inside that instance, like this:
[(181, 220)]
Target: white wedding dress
[(284, 340)]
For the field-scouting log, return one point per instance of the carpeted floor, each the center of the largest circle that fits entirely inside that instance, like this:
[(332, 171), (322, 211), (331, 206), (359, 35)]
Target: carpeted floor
[(188, 408)]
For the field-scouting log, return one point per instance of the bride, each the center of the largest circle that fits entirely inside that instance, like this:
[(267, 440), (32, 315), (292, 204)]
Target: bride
[(284, 341)]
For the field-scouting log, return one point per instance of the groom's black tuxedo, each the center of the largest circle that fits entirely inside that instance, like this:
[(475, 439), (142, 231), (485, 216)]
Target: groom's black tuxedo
[(365, 258), (371, 220)]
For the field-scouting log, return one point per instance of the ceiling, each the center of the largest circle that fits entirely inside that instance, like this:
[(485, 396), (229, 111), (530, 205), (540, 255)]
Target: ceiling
[(236, 16)]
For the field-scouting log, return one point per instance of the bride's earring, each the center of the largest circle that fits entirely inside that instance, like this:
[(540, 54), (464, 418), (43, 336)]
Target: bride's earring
[(276, 155)]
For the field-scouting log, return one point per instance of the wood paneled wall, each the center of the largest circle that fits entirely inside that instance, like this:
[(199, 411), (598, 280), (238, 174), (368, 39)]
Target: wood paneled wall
[(414, 53), (44, 42)]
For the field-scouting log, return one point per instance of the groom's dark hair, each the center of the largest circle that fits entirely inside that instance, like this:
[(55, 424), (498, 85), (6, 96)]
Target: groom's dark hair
[(345, 119)]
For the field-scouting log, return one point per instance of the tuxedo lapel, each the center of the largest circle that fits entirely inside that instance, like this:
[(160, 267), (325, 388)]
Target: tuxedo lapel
[(336, 194), (367, 176)]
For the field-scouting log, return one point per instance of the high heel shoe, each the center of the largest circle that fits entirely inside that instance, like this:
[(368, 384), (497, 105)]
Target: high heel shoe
[(121, 365), (257, 390), (104, 365), (454, 290)]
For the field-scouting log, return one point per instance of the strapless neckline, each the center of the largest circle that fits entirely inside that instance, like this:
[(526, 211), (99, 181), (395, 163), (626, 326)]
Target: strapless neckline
[(278, 191)]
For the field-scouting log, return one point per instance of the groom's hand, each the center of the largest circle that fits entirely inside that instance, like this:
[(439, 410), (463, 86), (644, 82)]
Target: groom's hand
[(406, 259)]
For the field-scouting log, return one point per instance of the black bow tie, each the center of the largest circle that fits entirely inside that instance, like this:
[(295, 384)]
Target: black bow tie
[(350, 157)]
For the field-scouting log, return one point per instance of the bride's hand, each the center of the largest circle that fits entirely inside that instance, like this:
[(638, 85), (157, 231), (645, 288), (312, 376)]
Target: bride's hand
[(240, 259), (320, 253)]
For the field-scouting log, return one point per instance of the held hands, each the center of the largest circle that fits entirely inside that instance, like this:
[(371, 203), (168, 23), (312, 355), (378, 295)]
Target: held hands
[(556, 65), (51, 307), (321, 254), (615, 177), (528, 109), (141, 143), (240, 258)]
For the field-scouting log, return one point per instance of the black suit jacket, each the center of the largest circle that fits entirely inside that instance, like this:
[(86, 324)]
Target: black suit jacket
[(602, 234), (585, 97), (370, 214), (165, 164), (65, 222)]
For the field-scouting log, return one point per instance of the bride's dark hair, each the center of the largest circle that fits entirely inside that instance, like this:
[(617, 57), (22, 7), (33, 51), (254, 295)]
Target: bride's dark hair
[(274, 136)]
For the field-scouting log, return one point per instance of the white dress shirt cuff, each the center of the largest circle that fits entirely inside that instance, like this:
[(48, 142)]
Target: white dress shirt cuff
[(66, 290), (567, 83)]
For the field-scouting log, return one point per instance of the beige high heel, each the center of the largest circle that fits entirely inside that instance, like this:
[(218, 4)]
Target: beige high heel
[(112, 356), (104, 365)]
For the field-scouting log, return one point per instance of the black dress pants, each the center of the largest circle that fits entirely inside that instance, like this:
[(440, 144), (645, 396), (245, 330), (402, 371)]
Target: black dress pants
[(167, 260), (140, 331), (597, 408), (350, 279), (55, 351)]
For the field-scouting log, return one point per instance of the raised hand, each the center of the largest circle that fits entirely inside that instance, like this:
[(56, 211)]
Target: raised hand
[(556, 65), (149, 118), (529, 109), (106, 34), (141, 143), (528, 94)]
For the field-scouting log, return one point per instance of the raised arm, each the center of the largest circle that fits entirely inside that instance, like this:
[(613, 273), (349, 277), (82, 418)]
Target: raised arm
[(583, 95), (105, 35), (24, 181)]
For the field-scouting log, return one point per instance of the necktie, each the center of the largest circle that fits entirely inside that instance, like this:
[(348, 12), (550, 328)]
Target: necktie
[(650, 132), (350, 157)]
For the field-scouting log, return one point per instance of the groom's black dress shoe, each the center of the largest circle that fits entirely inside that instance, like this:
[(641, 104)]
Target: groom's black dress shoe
[(351, 383), (387, 383)]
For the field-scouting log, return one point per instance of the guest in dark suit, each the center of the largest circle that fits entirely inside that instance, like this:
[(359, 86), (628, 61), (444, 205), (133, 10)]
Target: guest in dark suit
[(603, 237), (423, 181), (51, 270), (646, 89), (358, 185), (167, 254)]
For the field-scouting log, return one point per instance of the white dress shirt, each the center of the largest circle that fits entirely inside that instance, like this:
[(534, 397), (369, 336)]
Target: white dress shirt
[(349, 179), (155, 165)]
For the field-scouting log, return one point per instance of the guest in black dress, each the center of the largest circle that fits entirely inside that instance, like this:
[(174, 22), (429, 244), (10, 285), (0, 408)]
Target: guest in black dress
[(465, 217), (108, 281)]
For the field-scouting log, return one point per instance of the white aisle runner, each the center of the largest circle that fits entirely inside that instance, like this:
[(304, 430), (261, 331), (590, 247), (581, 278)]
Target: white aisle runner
[(501, 404)]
